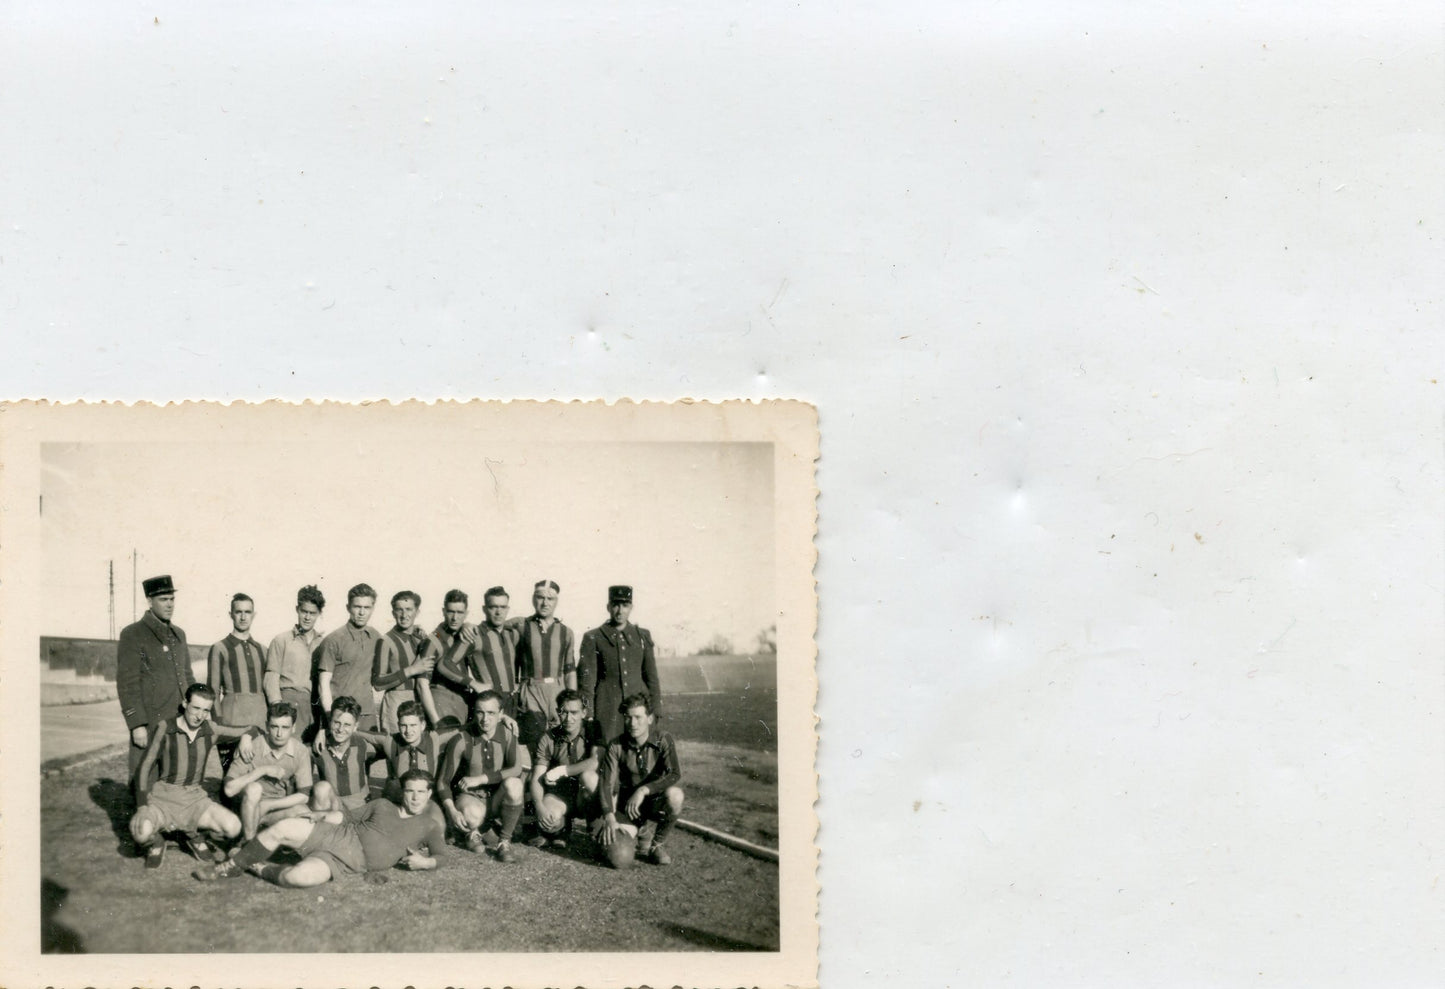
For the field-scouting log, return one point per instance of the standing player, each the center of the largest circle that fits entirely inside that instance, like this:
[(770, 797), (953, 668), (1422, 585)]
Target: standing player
[(489, 662), (176, 801), (341, 761), (639, 773), (617, 661), (484, 767), (546, 662), (275, 781), (564, 771), (344, 659), (235, 669), (403, 661), (291, 656), (152, 668), (450, 699), (332, 845)]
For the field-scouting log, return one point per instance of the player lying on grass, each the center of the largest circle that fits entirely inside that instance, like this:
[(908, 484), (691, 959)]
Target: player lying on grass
[(342, 757), (175, 801), (275, 780), (332, 844), (639, 772), (481, 780), (564, 772)]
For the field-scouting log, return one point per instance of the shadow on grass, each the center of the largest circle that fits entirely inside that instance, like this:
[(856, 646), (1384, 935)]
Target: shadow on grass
[(56, 938), (114, 797), (706, 939)]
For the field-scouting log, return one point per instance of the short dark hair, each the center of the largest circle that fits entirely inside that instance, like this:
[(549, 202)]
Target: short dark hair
[(313, 594), (640, 699), (547, 583), (570, 695), (238, 596), (416, 774), (282, 709), (346, 705), (402, 595), (409, 709), (496, 592), (487, 695), (360, 591), (200, 690), (455, 596)]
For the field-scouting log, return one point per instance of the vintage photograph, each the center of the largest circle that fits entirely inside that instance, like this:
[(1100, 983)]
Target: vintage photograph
[(470, 679)]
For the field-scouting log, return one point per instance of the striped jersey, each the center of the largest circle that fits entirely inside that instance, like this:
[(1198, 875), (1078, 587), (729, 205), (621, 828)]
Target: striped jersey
[(428, 753), (469, 754), (556, 749), (236, 666), (544, 653), (626, 765), (395, 651), (492, 659), (182, 758), (439, 679), (345, 771)]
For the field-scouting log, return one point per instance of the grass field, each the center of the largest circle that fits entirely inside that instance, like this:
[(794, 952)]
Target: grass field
[(711, 899)]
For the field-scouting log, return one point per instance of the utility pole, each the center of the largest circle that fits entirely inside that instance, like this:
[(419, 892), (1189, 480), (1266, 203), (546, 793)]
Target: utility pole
[(112, 599)]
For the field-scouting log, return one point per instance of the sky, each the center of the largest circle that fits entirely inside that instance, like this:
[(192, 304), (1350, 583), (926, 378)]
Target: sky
[(689, 525)]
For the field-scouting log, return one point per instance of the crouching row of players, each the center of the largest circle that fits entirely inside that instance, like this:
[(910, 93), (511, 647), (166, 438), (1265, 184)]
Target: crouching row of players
[(477, 779)]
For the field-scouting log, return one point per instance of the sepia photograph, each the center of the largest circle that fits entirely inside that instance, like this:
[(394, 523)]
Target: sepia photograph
[(420, 679)]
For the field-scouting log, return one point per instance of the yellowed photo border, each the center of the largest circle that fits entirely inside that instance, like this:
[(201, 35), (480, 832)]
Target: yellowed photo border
[(328, 430)]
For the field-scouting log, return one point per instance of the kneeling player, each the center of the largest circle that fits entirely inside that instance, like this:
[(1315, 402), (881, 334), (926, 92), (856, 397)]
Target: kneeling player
[(640, 771), (176, 801), (485, 762), (342, 757), (275, 781), (564, 771), (332, 844)]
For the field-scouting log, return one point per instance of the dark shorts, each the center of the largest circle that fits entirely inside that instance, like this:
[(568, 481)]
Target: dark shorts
[(338, 846), (569, 791)]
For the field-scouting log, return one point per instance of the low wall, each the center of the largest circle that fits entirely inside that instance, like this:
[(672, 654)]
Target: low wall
[(80, 671)]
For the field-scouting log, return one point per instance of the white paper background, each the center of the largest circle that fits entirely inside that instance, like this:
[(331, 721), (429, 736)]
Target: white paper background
[(1124, 326)]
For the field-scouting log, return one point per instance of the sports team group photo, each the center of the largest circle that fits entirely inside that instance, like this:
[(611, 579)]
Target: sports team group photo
[(409, 700)]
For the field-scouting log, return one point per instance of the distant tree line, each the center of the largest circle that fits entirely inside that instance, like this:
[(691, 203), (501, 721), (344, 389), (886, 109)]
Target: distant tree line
[(765, 641)]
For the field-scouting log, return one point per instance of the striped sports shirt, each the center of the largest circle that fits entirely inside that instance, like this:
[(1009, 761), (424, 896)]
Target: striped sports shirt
[(556, 749), (181, 756), (236, 666), (544, 653), (346, 772), (492, 659), (395, 651), (627, 765), (428, 753), (469, 754), (446, 693)]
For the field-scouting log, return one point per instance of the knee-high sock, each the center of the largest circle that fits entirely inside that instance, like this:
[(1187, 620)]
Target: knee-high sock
[(511, 814), (250, 853)]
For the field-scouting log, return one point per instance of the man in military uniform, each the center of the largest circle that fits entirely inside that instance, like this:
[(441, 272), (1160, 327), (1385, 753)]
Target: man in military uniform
[(615, 661), (152, 668)]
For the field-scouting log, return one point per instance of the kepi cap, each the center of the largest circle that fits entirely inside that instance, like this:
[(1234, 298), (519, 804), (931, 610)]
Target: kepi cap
[(619, 594), (158, 585)]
